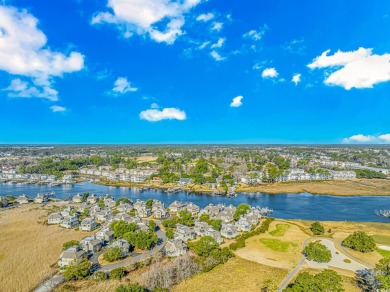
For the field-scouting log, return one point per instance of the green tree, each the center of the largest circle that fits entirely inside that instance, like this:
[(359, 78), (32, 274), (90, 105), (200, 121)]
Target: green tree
[(100, 276), (70, 243), (77, 272), (204, 246), (360, 241), (112, 254), (317, 252), (149, 203), (317, 228), (169, 232), (152, 225), (117, 273), (327, 280), (122, 200), (242, 209), (121, 227), (141, 239), (185, 218), (382, 271)]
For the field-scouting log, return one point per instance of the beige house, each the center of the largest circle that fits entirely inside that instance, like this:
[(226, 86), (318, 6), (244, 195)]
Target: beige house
[(72, 256)]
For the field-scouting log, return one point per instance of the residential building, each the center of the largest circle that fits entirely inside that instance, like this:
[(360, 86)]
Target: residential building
[(55, 218), (229, 231), (88, 224), (72, 256), (23, 199), (69, 222), (175, 248)]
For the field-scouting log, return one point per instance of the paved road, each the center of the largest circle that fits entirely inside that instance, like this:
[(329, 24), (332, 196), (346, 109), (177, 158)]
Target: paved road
[(293, 273), (55, 281)]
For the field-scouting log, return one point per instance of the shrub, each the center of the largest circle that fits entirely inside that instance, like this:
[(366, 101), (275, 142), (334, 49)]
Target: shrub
[(70, 243), (112, 254), (100, 276), (169, 232), (77, 272), (317, 228), (130, 288), (118, 273), (327, 280), (360, 241), (317, 252), (204, 245)]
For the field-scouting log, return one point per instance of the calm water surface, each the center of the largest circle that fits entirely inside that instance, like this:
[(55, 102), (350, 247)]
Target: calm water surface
[(286, 206)]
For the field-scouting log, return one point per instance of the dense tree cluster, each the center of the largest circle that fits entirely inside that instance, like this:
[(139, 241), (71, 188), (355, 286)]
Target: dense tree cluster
[(317, 228), (360, 241), (317, 252), (327, 280), (112, 254), (77, 272), (241, 209), (366, 173)]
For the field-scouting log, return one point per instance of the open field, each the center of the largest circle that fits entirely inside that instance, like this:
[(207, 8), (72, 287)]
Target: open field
[(356, 187), (141, 159), (236, 275), (28, 248), (282, 251)]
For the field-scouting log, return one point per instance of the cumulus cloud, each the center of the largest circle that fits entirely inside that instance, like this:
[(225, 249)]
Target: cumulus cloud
[(296, 78), (122, 86), (237, 101), (355, 69), (373, 139), (217, 26), (219, 43), (269, 73), (58, 109), (216, 56), (256, 35), (161, 20), (154, 114), (23, 52), (204, 45), (205, 17)]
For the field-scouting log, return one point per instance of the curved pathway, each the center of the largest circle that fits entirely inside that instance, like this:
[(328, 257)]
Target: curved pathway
[(297, 268)]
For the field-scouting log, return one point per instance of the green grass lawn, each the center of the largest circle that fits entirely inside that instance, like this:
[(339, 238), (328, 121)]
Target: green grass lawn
[(280, 230), (276, 244), (382, 239), (384, 253)]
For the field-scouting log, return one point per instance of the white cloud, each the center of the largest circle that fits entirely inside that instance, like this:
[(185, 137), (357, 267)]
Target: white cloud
[(217, 26), (237, 101), (355, 69), (217, 56), (269, 73), (296, 78), (218, 44), (256, 35), (155, 114), (23, 52), (205, 17), (121, 86), (203, 45), (373, 139), (58, 109), (144, 17)]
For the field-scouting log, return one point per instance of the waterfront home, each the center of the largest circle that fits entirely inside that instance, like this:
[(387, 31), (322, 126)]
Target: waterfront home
[(194, 209), (225, 215), (72, 256), (185, 181), (339, 175), (122, 217), (104, 215), (68, 211), (184, 232), (41, 198), (83, 208), (139, 204), (124, 207), (92, 199), (88, 224), (105, 234), (214, 234), (23, 199), (160, 213), (77, 198), (243, 225), (229, 231), (143, 212), (55, 218), (91, 244), (176, 207), (252, 218), (3, 202), (123, 245), (212, 210), (109, 202), (69, 222), (157, 205), (175, 248)]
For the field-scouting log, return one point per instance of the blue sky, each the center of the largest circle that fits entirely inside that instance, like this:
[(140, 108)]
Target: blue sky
[(193, 71)]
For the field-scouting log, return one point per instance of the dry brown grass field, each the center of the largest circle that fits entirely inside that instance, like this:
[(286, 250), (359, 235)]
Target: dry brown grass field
[(146, 159), (256, 251), (356, 187), (236, 275), (28, 248)]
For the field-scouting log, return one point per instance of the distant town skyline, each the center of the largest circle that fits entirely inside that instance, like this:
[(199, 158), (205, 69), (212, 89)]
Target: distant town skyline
[(194, 72)]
